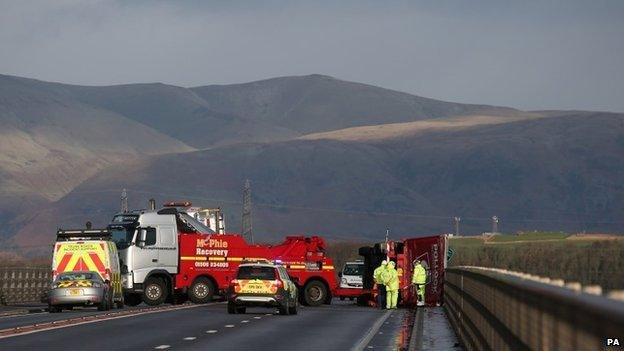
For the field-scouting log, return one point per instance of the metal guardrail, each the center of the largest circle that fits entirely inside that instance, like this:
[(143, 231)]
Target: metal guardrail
[(23, 285), (491, 310)]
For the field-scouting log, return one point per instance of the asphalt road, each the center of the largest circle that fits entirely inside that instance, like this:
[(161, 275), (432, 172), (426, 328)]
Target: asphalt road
[(339, 326), (32, 318)]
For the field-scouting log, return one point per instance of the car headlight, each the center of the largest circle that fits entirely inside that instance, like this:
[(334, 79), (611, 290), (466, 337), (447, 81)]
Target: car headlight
[(53, 285)]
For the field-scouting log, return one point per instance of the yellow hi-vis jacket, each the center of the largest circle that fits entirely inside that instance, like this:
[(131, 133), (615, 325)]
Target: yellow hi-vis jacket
[(377, 274), (384, 275), (393, 280), (420, 275)]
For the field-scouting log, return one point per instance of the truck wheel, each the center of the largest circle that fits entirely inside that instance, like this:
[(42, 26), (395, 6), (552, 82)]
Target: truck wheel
[(231, 308), (314, 293), (54, 309), (201, 290), (241, 310), (132, 299), (154, 291)]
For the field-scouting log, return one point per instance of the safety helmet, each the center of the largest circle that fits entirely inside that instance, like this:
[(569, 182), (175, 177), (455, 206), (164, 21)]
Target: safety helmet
[(392, 263), (384, 262)]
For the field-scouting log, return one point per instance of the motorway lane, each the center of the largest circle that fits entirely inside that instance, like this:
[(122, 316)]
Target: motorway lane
[(43, 317), (336, 327)]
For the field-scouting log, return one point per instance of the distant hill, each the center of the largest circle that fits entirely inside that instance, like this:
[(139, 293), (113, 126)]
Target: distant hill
[(324, 156), (50, 143), (267, 110), (560, 172)]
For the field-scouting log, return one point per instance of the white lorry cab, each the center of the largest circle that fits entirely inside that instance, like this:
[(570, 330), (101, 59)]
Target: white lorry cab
[(351, 275)]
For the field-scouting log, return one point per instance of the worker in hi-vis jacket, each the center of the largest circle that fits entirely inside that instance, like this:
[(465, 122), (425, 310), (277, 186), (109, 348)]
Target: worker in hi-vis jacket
[(419, 279), (381, 287)]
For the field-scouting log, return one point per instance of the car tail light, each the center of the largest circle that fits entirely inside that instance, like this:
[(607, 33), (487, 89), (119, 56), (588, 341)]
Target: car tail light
[(276, 284)]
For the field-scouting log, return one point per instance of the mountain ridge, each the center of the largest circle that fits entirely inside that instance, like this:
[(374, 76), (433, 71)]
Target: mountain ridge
[(320, 143)]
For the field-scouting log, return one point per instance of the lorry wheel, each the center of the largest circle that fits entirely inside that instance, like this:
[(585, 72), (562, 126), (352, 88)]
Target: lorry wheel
[(54, 309), (132, 299), (154, 291), (241, 310), (120, 304), (314, 293), (201, 290)]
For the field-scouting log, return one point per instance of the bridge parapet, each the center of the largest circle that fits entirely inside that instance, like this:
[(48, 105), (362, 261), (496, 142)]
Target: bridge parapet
[(493, 309)]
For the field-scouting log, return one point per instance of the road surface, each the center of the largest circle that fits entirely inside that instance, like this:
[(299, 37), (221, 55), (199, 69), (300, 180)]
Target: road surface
[(340, 326)]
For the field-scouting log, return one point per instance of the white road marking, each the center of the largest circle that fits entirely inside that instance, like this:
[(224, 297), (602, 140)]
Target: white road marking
[(269, 314), (229, 325), (371, 333), (162, 347), (245, 321), (211, 331), (189, 338), (257, 317)]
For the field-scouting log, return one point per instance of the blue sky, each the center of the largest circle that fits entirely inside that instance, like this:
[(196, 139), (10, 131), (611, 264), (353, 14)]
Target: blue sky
[(524, 54)]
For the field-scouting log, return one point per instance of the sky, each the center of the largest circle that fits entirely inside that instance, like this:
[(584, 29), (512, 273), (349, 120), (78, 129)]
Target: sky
[(556, 54)]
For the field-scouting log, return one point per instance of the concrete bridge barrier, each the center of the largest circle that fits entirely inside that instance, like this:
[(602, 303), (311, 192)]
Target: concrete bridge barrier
[(494, 309)]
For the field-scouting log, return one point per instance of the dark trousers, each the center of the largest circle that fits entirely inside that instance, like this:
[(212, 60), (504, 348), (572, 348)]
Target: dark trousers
[(381, 296)]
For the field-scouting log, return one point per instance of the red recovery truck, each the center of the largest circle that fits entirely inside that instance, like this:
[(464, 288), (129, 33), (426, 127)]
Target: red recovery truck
[(430, 250), (169, 254)]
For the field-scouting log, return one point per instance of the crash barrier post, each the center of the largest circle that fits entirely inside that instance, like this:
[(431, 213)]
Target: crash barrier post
[(494, 309), (23, 285)]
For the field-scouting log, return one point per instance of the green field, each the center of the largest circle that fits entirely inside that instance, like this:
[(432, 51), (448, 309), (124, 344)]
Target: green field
[(533, 236), (554, 255)]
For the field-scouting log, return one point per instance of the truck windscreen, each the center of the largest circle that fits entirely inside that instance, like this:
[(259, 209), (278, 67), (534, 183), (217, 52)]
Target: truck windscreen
[(122, 230), (353, 269)]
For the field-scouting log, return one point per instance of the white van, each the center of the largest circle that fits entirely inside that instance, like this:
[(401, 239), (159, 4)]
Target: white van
[(351, 275)]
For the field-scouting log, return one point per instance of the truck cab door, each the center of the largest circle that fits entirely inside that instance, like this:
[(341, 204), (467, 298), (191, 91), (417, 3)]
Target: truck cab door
[(168, 248), (145, 257)]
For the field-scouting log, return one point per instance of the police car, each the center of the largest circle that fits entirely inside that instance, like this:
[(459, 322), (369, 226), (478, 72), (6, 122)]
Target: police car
[(262, 284)]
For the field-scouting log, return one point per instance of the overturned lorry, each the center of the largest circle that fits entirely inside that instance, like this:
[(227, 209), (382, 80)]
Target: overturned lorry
[(430, 250)]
